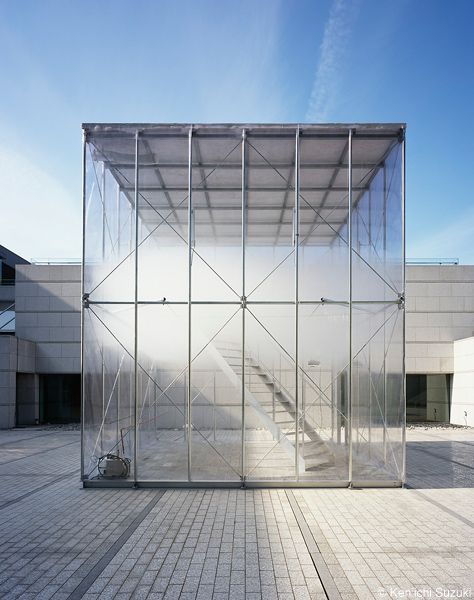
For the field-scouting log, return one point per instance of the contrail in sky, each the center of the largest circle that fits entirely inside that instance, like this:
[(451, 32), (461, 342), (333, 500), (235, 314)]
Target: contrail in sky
[(333, 50)]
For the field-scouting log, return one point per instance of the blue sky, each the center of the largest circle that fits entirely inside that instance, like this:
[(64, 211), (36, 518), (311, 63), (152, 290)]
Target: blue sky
[(63, 62)]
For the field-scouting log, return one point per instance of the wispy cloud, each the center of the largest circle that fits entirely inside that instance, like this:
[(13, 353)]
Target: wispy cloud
[(333, 50)]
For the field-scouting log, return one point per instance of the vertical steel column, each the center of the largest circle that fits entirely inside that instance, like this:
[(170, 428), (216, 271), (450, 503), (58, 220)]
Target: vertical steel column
[(131, 229), (135, 374), (369, 349), (154, 405), (104, 217), (303, 400), (385, 326), (296, 238), (349, 230), (102, 427), (103, 212), (190, 258), (243, 240), (117, 427), (118, 221), (214, 407), (84, 150), (185, 395), (403, 474)]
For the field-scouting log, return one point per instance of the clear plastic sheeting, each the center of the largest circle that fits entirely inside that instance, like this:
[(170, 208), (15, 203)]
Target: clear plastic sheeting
[(243, 305)]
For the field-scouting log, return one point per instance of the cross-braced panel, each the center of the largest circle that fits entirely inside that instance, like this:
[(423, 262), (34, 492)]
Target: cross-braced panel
[(243, 304)]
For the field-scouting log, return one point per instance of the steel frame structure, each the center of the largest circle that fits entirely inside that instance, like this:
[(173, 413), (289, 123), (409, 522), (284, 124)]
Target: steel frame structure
[(145, 183)]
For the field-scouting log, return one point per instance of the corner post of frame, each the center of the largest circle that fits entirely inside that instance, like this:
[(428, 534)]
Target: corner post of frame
[(243, 242), (404, 398), (135, 352), (83, 294), (296, 292), (349, 377), (188, 424)]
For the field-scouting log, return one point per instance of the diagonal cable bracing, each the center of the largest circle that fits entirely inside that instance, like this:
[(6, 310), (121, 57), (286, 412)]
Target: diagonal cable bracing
[(165, 219), (163, 392), (338, 234)]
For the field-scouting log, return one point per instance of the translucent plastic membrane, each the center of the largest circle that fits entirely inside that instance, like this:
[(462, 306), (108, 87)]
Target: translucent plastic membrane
[(224, 339), (377, 316)]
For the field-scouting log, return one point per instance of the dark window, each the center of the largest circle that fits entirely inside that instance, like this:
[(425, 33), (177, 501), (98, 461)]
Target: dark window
[(428, 398), (60, 398)]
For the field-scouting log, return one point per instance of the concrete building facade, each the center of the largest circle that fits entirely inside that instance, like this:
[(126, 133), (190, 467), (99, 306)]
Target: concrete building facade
[(40, 364), (439, 314)]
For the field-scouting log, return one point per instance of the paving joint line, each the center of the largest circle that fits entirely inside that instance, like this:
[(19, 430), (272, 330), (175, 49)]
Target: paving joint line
[(37, 489), (33, 437), (327, 581), (9, 462), (442, 507), (104, 561)]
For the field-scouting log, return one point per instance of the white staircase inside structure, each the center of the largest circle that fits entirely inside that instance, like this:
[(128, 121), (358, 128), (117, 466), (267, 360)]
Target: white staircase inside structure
[(274, 405)]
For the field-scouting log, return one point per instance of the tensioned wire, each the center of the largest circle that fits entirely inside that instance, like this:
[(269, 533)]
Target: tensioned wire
[(289, 187), (321, 393), (323, 221), (372, 314), (375, 390), (113, 244), (102, 425), (165, 220), (293, 430), (359, 353), (184, 241), (360, 215), (101, 199), (184, 199), (293, 360), (163, 392)]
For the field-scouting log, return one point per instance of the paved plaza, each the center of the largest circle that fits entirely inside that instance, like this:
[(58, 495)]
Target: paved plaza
[(60, 541)]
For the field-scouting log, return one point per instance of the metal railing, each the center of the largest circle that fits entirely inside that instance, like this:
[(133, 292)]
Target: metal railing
[(56, 261), (432, 261)]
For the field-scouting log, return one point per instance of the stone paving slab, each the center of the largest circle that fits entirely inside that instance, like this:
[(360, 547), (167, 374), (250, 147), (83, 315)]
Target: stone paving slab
[(60, 541)]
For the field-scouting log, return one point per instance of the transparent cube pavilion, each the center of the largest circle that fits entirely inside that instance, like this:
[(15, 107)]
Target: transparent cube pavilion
[(243, 304)]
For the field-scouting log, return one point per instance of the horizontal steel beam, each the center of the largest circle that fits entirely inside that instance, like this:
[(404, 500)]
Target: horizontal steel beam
[(238, 166), (230, 206), (239, 302), (238, 189), (251, 127), (249, 483), (237, 222)]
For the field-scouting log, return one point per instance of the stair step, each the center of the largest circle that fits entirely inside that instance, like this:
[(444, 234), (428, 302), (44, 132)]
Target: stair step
[(277, 403), (280, 408), (310, 455), (328, 463), (315, 445)]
